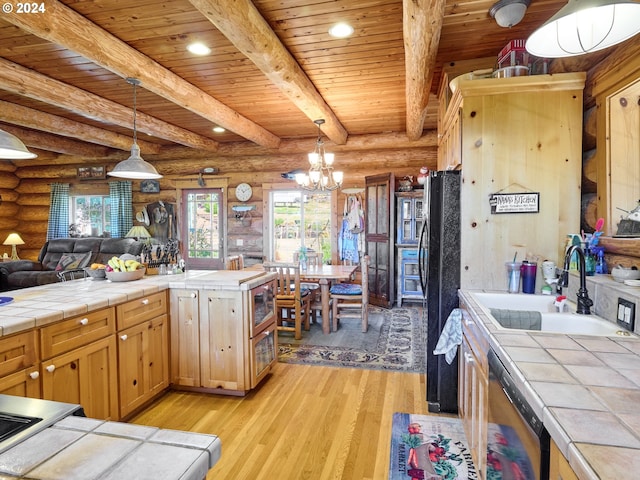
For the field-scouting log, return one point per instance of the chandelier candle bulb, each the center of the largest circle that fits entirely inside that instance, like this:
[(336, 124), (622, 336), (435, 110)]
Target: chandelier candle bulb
[(321, 176)]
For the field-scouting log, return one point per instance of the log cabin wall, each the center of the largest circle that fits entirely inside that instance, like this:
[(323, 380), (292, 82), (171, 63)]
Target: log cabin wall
[(25, 186)]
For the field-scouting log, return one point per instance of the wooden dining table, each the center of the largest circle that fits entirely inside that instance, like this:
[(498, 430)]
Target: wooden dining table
[(324, 275)]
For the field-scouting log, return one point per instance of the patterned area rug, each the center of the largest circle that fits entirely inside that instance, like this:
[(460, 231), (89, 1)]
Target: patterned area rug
[(394, 341), (429, 447)]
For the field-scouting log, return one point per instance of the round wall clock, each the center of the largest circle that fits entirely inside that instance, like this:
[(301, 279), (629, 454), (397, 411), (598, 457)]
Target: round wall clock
[(243, 192)]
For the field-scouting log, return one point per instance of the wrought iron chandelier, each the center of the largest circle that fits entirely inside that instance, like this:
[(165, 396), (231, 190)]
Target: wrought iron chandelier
[(321, 175)]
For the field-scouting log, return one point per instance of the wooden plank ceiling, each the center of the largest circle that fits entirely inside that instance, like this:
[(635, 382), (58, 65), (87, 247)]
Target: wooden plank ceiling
[(272, 70)]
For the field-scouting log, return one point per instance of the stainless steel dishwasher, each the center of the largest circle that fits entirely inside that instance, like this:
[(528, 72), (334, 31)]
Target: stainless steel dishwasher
[(517, 442)]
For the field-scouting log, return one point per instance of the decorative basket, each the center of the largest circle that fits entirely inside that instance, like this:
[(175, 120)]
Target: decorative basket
[(126, 276)]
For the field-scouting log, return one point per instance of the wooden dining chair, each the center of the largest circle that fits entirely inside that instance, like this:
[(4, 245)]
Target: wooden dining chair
[(234, 262), (313, 259), (351, 300), (293, 301)]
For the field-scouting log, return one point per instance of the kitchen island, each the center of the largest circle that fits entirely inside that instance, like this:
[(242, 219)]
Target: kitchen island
[(87, 342), (584, 388)]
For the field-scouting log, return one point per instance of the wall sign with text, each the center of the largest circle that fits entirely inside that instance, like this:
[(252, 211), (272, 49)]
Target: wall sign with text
[(528, 202)]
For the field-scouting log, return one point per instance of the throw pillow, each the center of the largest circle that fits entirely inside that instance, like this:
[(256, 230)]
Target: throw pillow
[(72, 261)]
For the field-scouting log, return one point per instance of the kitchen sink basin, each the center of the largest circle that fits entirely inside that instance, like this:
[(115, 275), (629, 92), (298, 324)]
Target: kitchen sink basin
[(542, 307)]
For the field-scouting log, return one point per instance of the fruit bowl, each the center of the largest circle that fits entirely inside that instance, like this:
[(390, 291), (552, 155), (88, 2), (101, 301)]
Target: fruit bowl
[(98, 273), (126, 276)]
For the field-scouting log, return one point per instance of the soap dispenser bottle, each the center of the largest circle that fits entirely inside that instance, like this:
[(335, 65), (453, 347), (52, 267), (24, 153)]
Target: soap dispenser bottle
[(601, 264)]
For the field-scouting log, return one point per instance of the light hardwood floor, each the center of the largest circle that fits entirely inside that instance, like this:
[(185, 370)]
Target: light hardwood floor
[(303, 422)]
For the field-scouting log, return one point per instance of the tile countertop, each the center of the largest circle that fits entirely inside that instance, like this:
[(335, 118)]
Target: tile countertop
[(585, 388), (45, 304), (79, 448)]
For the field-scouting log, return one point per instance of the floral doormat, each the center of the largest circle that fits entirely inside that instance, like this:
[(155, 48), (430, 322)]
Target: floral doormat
[(429, 447), (393, 342)]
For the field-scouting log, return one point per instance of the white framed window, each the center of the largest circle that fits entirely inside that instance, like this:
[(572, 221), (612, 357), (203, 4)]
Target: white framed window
[(299, 218), (89, 215)]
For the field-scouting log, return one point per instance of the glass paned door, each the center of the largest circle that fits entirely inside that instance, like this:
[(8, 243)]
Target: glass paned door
[(202, 228)]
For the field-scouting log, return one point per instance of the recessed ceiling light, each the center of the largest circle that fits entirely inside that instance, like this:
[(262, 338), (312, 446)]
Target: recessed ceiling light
[(341, 30), (198, 48), (219, 129)]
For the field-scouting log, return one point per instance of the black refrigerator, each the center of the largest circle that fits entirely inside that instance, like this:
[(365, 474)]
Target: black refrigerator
[(439, 268)]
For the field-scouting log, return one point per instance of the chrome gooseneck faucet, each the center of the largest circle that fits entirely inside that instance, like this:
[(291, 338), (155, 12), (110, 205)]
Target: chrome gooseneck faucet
[(584, 302)]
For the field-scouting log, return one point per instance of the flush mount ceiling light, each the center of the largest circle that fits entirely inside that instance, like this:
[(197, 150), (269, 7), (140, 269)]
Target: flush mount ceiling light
[(219, 129), (584, 26), (341, 30), (11, 148), (321, 175), (134, 167), (198, 48), (509, 12)]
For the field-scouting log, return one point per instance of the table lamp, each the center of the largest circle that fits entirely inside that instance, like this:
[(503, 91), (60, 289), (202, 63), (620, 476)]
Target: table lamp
[(138, 232), (14, 239)]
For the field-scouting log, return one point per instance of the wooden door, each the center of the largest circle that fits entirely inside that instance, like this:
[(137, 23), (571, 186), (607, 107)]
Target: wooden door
[(202, 223), (185, 338), (379, 238)]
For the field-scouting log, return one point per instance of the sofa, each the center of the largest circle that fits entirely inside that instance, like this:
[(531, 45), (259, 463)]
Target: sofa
[(63, 254)]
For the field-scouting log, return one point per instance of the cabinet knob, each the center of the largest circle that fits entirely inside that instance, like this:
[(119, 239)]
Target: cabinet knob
[(34, 375), (193, 295), (84, 321), (145, 301), (123, 337), (51, 368)]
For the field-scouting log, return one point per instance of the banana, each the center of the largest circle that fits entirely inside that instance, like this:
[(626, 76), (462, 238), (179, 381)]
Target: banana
[(113, 263), (123, 267)]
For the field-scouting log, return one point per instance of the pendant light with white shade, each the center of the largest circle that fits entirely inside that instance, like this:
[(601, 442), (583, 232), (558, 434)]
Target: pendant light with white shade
[(134, 167), (584, 26), (12, 148)]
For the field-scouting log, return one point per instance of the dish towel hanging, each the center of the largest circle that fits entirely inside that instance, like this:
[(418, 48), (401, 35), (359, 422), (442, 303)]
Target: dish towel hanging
[(450, 337)]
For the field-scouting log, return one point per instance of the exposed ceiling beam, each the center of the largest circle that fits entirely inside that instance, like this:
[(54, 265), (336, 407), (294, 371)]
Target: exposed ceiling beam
[(30, 118), (23, 81), (55, 143), (422, 24), (63, 26), (242, 24)]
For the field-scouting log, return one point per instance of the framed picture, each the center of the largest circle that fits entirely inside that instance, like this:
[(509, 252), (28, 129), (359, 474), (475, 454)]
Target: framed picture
[(91, 173), (150, 186)]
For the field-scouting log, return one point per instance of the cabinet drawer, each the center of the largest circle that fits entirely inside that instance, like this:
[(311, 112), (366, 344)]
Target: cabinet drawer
[(77, 331), (410, 254), (17, 352), (141, 309)]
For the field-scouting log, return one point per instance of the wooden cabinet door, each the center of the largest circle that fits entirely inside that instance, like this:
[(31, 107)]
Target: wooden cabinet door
[(223, 353), (24, 383), (132, 371), (185, 338), (379, 238), (143, 363), (87, 376), (158, 354)]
